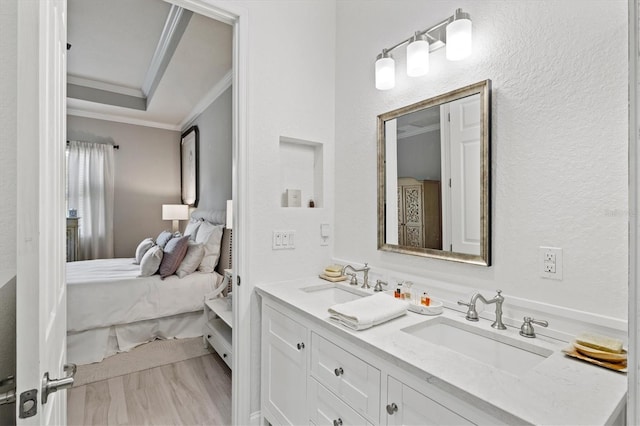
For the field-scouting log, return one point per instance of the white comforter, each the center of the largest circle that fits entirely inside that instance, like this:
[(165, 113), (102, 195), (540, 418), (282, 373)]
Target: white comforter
[(106, 292)]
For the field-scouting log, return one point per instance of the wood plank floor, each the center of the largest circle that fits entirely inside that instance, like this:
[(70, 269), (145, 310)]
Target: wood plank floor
[(192, 392)]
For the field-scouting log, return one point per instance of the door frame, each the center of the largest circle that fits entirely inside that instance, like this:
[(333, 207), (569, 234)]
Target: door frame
[(237, 16)]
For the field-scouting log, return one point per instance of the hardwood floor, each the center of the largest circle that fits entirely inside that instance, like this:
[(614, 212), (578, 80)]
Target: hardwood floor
[(195, 391)]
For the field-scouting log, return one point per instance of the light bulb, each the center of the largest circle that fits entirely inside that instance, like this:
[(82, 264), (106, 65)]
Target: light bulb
[(385, 71), (418, 56), (459, 36)]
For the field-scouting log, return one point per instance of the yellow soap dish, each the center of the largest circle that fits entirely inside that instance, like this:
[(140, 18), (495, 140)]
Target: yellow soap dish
[(435, 308)]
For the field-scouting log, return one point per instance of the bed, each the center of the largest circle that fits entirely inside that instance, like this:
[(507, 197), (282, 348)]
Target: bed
[(111, 309)]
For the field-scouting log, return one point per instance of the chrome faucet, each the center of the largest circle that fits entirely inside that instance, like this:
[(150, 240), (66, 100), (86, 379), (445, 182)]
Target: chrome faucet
[(365, 273), (472, 314)]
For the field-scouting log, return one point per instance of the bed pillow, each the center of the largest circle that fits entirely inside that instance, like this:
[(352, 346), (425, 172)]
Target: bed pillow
[(191, 261), (174, 252), (145, 245), (151, 261), (210, 236), (163, 239), (192, 228)]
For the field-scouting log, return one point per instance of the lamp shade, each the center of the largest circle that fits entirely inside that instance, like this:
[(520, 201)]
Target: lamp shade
[(418, 57), (229, 214), (459, 36), (385, 72), (175, 212)]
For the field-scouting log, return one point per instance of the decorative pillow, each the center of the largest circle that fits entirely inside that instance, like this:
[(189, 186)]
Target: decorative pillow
[(163, 239), (145, 245), (210, 235), (191, 261), (151, 261), (192, 228), (174, 252)]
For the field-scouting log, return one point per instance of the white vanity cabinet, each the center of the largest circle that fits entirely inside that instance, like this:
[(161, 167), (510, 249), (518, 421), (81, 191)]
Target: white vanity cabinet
[(284, 368), (310, 375)]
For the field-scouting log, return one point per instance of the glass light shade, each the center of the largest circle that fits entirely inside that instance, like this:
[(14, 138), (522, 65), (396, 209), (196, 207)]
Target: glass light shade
[(459, 39), (385, 73), (417, 58)]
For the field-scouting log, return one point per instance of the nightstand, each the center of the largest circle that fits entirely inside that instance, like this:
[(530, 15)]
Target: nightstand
[(218, 324)]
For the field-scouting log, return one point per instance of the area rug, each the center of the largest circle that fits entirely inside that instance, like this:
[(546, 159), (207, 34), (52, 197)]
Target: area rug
[(149, 355)]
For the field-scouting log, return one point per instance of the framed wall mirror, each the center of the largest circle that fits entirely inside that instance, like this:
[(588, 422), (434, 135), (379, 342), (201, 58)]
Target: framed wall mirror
[(434, 177)]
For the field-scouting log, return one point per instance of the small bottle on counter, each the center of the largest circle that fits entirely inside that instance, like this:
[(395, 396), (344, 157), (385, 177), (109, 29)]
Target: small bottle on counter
[(407, 292), (398, 293), (425, 299)]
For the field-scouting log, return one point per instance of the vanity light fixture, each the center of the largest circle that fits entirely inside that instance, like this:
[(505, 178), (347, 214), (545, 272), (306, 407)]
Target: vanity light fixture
[(453, 32)]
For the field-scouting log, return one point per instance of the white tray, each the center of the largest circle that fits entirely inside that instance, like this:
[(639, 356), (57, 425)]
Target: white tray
[(434, 308)]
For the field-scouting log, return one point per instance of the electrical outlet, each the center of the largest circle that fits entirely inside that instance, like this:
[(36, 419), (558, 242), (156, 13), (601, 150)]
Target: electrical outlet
[(551, 262)]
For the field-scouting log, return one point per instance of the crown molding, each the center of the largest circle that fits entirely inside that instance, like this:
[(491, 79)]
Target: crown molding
[(121, 119), (208, 99)]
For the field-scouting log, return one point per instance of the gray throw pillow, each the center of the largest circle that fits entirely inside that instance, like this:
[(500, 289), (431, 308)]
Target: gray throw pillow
[(192, 259), (163, 238), (145, 245), (151, 261), (192, 228), (174, 252)]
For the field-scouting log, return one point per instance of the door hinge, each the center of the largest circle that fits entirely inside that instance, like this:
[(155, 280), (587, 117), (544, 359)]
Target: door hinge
[(28, 404), (448, 116), (238, 280), (449, 183)]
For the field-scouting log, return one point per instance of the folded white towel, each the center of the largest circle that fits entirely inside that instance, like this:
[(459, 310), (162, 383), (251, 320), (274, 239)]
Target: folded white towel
[(368, 311)]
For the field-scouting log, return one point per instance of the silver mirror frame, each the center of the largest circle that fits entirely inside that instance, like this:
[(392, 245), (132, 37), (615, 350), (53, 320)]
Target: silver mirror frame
[(483, 88)]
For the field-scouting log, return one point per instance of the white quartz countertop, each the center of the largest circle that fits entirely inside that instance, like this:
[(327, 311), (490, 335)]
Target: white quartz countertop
[(559, 390)]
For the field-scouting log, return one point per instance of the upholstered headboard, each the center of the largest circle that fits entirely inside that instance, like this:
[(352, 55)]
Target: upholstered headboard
[(225, 252)]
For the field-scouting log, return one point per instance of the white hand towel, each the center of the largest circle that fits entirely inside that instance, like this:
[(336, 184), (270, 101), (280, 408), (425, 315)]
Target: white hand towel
[(368, 311)]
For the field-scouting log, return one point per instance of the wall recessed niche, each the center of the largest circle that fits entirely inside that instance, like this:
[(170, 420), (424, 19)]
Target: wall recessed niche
[(301, 167)]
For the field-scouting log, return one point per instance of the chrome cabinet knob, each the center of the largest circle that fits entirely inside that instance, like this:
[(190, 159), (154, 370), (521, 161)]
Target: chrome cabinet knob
[(392, 408), (337, 422), (300, 345), (338, 371)]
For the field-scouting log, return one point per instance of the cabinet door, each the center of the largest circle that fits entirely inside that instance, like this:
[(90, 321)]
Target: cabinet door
[(284, 372), (412, 199), (406, 406)]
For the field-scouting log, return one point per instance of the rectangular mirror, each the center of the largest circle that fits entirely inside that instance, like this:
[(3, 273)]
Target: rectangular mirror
[(434, 177)]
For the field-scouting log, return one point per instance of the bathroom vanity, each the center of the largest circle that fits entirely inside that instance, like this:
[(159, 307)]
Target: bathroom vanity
[(418, 369)]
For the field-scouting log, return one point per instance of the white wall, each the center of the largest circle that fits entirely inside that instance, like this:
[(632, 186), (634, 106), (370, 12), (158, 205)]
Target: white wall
[(559, 140), (214, 160), (147, 175)]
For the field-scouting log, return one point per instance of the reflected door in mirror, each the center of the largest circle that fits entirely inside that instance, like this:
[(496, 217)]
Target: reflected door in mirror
[(419, 223)]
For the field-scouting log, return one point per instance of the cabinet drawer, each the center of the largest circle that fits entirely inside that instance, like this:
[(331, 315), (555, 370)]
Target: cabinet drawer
[(326, 409), (349, 377), (218, 334)]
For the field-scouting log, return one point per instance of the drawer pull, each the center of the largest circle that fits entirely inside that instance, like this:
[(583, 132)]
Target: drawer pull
[(392, 408), (224, 355), (337, 422), (338, 371), (208, 336), (300, 345)]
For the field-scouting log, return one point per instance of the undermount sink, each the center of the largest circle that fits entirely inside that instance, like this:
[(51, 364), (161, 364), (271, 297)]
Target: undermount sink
[(334, 293), (497, 350)]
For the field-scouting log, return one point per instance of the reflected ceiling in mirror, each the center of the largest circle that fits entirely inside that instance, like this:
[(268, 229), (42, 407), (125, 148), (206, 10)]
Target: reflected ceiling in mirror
[(434, 177)]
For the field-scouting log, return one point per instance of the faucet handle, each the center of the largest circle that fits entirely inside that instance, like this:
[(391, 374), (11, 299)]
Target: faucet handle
[(526, 330), (354, 280), (379, 284)]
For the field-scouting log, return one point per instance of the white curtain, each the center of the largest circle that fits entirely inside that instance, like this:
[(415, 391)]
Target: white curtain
[(90, 182)]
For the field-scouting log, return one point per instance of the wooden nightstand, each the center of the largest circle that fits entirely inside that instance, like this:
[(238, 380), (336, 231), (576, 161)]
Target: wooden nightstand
[(218, 324)]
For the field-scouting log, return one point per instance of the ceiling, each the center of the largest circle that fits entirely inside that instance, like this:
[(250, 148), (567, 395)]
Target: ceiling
[(418, 122), (144, 61)]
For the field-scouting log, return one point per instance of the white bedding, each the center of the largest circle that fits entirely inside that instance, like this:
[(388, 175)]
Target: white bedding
[(106, 292)]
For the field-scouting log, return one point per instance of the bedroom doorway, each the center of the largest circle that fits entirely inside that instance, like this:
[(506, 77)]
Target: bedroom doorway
[(229, 14)]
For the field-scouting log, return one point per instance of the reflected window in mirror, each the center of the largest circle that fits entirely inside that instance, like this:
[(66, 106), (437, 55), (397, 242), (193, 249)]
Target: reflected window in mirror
[(433, 177)]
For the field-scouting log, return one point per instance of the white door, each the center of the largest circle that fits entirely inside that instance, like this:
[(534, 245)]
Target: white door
[(465, 153), (41, 296)]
